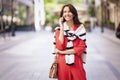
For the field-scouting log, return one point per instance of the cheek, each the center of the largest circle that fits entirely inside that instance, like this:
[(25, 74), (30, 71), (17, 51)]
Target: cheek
[(71, 14)]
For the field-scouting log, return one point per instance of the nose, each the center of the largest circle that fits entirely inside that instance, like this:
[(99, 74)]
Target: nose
[(67, 13)]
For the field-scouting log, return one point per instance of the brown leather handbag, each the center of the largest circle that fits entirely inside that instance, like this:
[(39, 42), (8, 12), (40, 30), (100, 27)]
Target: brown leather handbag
[(53, 72)]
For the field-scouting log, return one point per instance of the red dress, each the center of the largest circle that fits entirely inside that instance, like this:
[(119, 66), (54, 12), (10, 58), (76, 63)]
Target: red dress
[(75, 71)]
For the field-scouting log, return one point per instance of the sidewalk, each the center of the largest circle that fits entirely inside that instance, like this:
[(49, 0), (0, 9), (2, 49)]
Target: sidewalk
[(102, 55), (18, 35), (108, 34), (29, 54)]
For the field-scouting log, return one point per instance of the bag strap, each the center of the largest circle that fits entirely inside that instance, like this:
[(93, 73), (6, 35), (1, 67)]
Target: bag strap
[(55, 57)]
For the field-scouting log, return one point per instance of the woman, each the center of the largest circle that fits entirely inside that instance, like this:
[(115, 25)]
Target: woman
[(70, 45)]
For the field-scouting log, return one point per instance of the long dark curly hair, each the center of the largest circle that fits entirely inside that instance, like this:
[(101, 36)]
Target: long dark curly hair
[(73, 11)]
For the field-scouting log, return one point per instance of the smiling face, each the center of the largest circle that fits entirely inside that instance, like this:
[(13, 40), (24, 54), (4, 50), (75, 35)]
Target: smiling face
[(67, 14)]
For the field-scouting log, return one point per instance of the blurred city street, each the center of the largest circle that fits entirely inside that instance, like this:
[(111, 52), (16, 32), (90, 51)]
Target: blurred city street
[(27, 56), (26, 37)]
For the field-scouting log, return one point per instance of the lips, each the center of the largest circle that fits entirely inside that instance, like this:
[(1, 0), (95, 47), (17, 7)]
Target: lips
[(68, 17)]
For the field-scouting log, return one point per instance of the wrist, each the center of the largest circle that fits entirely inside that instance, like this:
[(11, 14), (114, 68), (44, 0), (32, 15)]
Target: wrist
[(61, 52)]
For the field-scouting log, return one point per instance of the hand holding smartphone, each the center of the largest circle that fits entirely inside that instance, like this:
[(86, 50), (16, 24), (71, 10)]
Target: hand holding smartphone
[(61, 21)]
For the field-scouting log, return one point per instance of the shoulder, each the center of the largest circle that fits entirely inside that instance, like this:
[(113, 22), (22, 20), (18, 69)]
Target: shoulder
[(57, 28), (81, 27)]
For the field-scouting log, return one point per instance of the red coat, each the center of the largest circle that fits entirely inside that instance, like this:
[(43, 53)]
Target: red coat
[(75, 71)]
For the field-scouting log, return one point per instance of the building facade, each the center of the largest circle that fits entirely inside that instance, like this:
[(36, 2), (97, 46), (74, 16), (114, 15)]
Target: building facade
[(16, 12), (108, 13)]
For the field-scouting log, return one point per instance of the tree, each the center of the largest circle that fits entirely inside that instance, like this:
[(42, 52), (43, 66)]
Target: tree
[(50, 6), (75, 2), (91, 10)]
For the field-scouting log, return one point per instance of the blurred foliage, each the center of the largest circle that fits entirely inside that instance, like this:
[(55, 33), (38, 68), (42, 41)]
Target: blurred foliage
[(5, 12), (52, 5), (87, 26), (75, 2), (49, 1), (51, 17), (22, 14), (91, 9), (108, 24)]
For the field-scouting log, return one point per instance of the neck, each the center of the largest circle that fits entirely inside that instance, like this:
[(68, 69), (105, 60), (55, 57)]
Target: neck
[(70, 24)]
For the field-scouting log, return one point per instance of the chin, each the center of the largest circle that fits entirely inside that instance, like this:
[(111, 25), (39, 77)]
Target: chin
[(68, 19)]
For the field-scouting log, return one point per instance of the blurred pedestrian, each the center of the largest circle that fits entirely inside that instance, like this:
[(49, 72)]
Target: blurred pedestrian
[(118, 31), (70, 45)]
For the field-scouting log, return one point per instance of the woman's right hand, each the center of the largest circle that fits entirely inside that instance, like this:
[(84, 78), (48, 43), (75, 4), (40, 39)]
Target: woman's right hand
[(61, 22), (61, 35)]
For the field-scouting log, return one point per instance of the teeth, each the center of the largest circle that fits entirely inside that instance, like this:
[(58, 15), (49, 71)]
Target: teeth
[(67, 17)]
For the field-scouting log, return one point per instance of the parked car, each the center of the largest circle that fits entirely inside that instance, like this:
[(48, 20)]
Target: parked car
[(118, 31)]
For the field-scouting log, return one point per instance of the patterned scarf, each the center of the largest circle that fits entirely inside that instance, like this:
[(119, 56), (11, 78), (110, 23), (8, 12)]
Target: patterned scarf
[(72, 35)]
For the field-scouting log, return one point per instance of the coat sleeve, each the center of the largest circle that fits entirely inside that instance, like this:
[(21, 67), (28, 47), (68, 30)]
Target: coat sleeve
[(59, 45), (80, 47)]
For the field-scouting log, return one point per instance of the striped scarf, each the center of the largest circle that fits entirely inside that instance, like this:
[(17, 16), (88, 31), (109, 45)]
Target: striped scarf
[(72, 35)]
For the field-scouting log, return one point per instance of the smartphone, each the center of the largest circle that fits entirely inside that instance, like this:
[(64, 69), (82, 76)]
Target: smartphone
[(63, 19)]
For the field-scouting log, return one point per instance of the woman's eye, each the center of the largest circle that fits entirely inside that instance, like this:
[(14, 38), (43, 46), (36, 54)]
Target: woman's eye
[(64, 11)]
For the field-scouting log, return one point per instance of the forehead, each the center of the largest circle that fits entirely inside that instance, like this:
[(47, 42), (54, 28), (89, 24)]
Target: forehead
[(66, 8)]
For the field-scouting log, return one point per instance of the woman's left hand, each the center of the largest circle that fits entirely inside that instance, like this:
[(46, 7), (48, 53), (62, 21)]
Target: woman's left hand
[(56, 50)]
